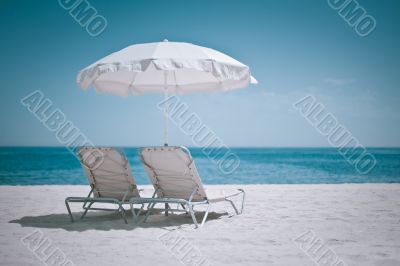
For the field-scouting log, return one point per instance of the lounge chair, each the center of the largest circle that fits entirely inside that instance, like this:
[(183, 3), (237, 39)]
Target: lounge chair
[(110, 179), (176, 181)]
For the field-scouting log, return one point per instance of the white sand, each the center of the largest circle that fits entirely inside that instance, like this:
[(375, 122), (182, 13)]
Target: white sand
[(358, 223)]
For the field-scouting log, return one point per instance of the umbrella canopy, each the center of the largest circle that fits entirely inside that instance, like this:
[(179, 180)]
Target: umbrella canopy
[(167, 67)]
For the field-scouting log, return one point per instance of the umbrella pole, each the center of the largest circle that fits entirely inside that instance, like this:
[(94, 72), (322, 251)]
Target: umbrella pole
[(165, 110)]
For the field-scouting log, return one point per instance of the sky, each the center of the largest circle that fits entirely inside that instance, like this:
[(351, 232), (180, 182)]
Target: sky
[(293, 48)]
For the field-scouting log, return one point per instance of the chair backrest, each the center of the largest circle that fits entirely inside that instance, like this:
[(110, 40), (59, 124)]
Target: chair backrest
[(108, 172), (173, 172)]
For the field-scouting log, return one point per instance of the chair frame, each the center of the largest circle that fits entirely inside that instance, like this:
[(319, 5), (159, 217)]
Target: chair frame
[(187, 205), (90, 199)]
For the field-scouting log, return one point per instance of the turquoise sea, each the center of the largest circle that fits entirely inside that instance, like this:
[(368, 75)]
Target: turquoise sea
[(44, 165)]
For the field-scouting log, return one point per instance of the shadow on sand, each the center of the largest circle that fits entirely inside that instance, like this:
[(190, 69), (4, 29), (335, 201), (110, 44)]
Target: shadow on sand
[(104, 221)]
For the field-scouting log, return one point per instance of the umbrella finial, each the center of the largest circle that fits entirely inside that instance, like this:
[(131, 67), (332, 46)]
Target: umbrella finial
[(165, 40)]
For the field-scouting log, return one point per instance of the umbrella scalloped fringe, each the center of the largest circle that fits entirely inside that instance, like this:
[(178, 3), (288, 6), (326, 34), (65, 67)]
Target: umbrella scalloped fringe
[(222, 71)]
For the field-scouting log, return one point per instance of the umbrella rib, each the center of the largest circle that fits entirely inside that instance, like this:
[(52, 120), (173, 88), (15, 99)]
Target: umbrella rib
[(176, 82), (133, 80), (134, 77), (96, 68)]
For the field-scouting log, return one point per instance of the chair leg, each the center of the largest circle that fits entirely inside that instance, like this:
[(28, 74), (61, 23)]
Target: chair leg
[(233, 205), (122, 210), (86, 210), (242, 205), (243, 198), (190, 207), (184, 207), (166, 209), (69, 210), (149, 208), (133, 211), (205, 215), (134, 214)]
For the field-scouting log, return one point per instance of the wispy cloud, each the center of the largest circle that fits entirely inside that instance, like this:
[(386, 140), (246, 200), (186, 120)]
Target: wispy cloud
[(339, 82)]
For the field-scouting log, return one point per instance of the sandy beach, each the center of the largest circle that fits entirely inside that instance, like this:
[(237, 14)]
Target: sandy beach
[(352, 224)]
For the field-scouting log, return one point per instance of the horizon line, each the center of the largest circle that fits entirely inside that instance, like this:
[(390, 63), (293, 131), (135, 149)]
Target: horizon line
[(197, 147)]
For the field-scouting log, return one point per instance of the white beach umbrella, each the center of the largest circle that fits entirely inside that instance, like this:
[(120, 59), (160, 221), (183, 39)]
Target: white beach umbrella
[(166, 67)]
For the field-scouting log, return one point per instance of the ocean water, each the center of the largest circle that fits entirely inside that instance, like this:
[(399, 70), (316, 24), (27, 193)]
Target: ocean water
[(38, 166)]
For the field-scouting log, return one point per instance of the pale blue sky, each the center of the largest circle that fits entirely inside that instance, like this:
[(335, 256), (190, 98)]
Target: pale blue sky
[(294, 48)]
